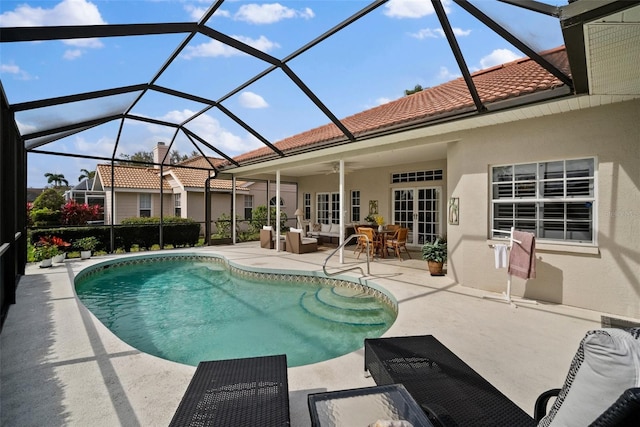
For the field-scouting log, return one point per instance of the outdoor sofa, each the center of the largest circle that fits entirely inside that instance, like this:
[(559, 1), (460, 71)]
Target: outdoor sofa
[(328, 233), (606, 367)]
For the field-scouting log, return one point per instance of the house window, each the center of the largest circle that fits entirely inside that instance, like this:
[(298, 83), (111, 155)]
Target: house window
[(554, 200), (272, 202), (177, 207), (355, 205), (248, 206), (328, 208), (307, 206), (418, 176), (144, 205)]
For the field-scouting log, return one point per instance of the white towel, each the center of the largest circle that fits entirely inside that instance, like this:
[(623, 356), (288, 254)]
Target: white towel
[(500, 252)]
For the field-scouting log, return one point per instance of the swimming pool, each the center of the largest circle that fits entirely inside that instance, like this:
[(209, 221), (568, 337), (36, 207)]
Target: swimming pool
[(191, 307)]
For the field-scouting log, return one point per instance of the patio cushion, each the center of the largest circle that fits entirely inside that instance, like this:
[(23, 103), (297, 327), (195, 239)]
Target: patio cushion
[(316, 227), (335, 228), (267, 227), (325, 228), (606, 364)]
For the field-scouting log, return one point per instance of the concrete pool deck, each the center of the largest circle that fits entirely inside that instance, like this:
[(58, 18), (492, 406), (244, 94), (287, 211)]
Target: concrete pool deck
[(60, 366)]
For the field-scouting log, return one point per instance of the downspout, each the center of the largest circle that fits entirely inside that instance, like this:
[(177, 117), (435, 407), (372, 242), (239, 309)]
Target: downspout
[(342, 213), (161, 205), (277, 210)]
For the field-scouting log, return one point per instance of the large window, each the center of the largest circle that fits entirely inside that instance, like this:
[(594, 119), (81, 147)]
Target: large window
[(355, 205), (177, 204), (554, 200), (144, 205), (248, 206)]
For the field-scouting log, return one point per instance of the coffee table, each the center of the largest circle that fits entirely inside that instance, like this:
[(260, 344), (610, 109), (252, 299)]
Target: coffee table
[(365, 406)]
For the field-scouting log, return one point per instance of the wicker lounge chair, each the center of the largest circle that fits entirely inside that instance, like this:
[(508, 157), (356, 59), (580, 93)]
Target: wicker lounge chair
[(237, 392), (268, 241), (297, 244), (452, 394)]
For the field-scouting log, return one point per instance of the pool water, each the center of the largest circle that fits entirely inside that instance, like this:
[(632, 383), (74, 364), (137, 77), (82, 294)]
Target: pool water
[(188, 311)]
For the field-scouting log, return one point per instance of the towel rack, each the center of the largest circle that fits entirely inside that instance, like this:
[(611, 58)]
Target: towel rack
[(506, 296)]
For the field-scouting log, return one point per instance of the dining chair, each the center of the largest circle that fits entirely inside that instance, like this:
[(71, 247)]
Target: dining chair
[(397, 241), (368, 232)]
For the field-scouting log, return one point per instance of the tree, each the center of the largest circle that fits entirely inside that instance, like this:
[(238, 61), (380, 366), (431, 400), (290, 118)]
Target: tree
[(176, 157), (50, 199), (416, 89), (144, 157), (86, 174), (57, 179)]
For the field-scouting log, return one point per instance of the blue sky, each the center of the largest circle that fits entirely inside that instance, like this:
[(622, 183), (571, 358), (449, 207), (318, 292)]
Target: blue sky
[(371, 62)]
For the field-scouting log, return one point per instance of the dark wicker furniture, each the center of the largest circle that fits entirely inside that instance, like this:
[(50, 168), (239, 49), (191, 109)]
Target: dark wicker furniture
[(450, 392), (239, 392)]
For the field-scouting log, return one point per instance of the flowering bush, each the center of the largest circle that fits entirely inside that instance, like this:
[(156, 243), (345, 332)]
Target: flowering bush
[(44, 249), (74, 213), (379, 219)]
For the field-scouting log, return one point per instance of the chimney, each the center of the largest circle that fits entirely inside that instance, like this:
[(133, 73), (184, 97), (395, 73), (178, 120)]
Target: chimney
[(159, 153)]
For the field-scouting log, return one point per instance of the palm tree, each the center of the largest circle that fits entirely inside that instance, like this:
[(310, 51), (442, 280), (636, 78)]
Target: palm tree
[(86, 174), (57, 179)]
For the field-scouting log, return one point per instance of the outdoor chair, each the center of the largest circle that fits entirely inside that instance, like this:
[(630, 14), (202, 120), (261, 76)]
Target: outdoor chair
[(296, 244), (237, 392), (373, 243), (606, 367), (267, 239), (397, 241)]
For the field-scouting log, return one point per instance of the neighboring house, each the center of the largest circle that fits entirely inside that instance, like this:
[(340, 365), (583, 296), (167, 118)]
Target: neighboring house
[(563, 166), (134, 191)]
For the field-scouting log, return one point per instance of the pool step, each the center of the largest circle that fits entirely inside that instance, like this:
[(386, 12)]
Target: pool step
[(346, 298), (355, 310)]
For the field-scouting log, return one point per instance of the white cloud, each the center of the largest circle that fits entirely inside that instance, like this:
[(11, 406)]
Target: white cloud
[(103, 147), (444, 75), (67, 12), (210, 129), (270, 13), (252, 100), (16, 71), (72, 54), (412, 8), (498, 56), (214, 48), (438, 33)]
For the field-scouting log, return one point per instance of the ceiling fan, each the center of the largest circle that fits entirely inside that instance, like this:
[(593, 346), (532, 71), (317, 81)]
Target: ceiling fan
[(334, 167)]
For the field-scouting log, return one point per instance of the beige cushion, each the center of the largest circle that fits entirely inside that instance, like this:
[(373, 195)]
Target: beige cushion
[(296, 230), (325, 228), (606, 364), (316, 227), (335, 228), (267, 227)]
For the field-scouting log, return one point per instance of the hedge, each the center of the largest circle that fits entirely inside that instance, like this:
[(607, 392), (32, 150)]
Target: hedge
[(177, 234)]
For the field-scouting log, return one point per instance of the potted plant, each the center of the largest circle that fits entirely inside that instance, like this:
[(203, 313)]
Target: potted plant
[(44, 252), (435, 253), (62, 247), (86, 246)]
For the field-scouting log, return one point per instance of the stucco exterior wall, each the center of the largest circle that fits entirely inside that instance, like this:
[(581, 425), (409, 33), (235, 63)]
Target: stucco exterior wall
[(604, 277)]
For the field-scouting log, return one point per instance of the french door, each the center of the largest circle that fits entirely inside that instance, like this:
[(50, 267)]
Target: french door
[(420, 210)]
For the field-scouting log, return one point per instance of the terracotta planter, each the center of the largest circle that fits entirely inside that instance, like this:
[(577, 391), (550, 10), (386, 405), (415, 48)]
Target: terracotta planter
[(435, 268)]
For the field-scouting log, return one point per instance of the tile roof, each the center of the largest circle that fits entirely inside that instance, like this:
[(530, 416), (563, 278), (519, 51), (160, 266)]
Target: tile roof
[(142, 177), (521, 77)]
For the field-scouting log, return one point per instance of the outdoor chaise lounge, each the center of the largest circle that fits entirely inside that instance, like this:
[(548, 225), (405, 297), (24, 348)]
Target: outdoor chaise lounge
[(297, 244), (237, 392), (605, 367)]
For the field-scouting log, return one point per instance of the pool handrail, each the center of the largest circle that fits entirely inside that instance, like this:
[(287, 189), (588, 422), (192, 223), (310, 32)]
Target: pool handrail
[(347, 240)]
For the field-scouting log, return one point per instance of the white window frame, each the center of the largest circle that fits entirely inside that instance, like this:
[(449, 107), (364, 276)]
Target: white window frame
[(177, 204), (307, 206), (532, 193), (142, 204), (248, 206), (356, 209)]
